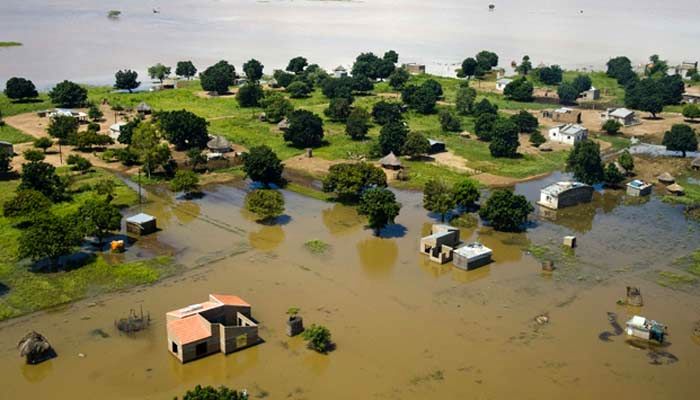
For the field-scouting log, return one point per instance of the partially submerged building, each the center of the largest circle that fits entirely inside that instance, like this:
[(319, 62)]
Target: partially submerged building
[(222, 324), (141, 224), (436, 146), (591, 94), (564, 115), (471, 256), (565, 194), (639, 188), (568, 134), (440, 244), (622, 115)]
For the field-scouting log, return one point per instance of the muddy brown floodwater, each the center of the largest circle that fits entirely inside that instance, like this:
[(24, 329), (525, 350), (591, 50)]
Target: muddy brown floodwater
[(405, 328)]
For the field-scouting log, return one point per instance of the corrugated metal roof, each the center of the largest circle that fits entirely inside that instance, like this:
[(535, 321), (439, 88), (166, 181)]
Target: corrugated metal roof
[(140, 218)]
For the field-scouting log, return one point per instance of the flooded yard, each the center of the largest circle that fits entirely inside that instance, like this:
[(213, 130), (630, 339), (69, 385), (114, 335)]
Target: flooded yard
[(405, 328)]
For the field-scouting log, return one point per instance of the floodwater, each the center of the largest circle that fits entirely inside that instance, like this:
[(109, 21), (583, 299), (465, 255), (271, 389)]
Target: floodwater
[(405, 328), (74, 39)]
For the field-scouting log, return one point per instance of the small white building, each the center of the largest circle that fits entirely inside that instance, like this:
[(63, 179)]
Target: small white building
[(591, 94), (340, 72), (502, 83), (64, 112), (115, 130), (622, 115), (471, 256), (565, 194), (568, 134)]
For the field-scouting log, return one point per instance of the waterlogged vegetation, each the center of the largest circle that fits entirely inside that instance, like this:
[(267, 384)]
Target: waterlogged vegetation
[(10, 44)]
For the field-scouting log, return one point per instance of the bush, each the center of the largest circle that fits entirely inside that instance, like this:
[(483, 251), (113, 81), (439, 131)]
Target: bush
[(265, 203), (626, 161), (415, 145), (485, 107), (398, 78), (298, 89), (319, 338), (276, 106), (185, 181), (357, 123), (612, 127), (210, 393), (33, 155), (261, 164), (384, 112), (612, 176), (26, 203), (537, 139), (691, 111), (466, 193), (79, 163), (449, 122), (43, 143), (249, 95), (338, 109), (506, 211)]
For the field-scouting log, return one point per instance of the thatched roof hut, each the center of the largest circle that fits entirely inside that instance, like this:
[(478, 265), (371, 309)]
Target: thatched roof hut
[(390, 161), (695, 164), (35, 348), (675, 189), (143, 108), (666, 178), (283, 125), (219, 144)]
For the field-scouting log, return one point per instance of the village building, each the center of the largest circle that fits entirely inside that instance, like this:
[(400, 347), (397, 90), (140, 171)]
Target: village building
[(283, 125), (683, 69), (168, 84), (639, 188), (340, 72), (695, 164), (502, 83), (591, 94), (440, 244), (666, 178), (222, 324), (390, 161), (565, 194), (141, 224), (219, 144), (436, 146), (7, 147), (622, 115), (471, 256), (691, 98), (115, 130), (64, 112), (675, 189), (568, 134), (564, 115), (414, 68), (143, 108)]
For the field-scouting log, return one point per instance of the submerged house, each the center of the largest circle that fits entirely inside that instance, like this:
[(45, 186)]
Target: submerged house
[(222, 324), (472, 256), (440, 244), (568, 134), (565, 194), (622, 115), (564, 115), (639, 188)]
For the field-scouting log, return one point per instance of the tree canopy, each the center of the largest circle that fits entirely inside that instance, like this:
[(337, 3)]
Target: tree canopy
[(266, 204), (349, 180), (186, 182), (415, 145), (305, 129), (519, 90), (465, 193), (384, 112), (465, 100), (551, 75), (261, 164), (126, 80), (620, 68), (68, 94), (185, 69), (42, 177), (449, 122), (567, 93), (585, 163), (645, 95), (20, 89), (159, 71), (253, 69), (249, 95), (297, 64), (525, 121), (357, 124), (421, 98), (145, 142), (504, 138), (298, 89), (338, 109), (506, 211), (392, 137), (62, 127), (681, 138), (438, 198), (582, 83), (373, 67), (483, 126), (183, 129), (49, 237), (380, 206), (211, 393), (398, 78), (218, 77), (691, 111), (98, 217), (26, 203), (276, 106)]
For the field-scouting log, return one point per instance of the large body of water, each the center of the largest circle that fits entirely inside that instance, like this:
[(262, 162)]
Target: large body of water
[(73, 39)]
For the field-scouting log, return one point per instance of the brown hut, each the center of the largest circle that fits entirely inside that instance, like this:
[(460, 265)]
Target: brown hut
[(35, 348), (143, 108), (219, 144), (390, 161), (666, 178), (283, 125), (695, 164), (675, 189)]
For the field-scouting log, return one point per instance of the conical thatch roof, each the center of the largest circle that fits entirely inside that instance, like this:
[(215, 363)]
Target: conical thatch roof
[(666, 178), (219, 144), (675, 189), (35, 348), (283, 125), (143, 107), (390, 160)]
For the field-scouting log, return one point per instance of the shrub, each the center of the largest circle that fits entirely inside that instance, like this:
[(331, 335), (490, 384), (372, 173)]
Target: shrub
[(612, 127), (185, 181), (506, 211), (79, 163), (319, 338), (266, 204), (298, 89), (338, 109), (449, 122)]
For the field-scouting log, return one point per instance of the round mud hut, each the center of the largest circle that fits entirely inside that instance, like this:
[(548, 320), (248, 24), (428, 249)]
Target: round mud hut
[(666, 178), (219, 144), (390, 161)]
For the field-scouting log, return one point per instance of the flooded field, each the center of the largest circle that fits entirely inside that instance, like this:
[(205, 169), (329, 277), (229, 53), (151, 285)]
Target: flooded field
[(405, 328)]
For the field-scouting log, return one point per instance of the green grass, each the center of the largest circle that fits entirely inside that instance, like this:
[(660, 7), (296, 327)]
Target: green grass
[(10, 44), (618, 142), (308, 192), (316, 246), (420, 172), (675, 280), (12, 135), (692, 193), (29, 291), (10, 107), (609, 88)]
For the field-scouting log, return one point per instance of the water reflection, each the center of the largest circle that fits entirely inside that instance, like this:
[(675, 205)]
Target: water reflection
[(506, 246), (463, 276), (341, 220), (378, 256), (186, 211), (37, 373), (317, 363), (268, 238)]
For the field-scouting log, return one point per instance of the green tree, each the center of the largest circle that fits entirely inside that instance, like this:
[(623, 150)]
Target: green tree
[(338, 109), (449, 122), (98, 218), (620, 68), (392, 137), (398, 78), (261, 164), (348, 180), (145, 142), (612, 176), (567, 93), (551, 75), (210, 393), (27, 204), (525, 66), (357, 124), (585, 163), (185, 69), (380, 207), (265, 203), (421, 98), (218, 78), (519, 90), (672, 88), (297, 64), (486, 60), (186, 182), (79, 163), (33, 155), (107, 188), (338, 87), (43, 143), (249, 95), (50, 237), (612, 127), (681, 138), (276, 106), (126, 80), (536, 139), (391, 56), (63, 127), (465, 100), (465, 193), (645, 95), (42, 177), (506, 211), (283, 78), (253, 69), (85, 140), (362, 84), (384, 112), (319, 338), (469, 68), (159, 71), (438, 198), (626, 161), (485, 107), (94, 112), (504, 141), (483, 126), (305, 129), (526, 122), (20, 89), (183, 128), (126, 131), (415, 145), (582, 83), (298, 89), (656, 67), (691, 112), (68, 94), (196, 158)]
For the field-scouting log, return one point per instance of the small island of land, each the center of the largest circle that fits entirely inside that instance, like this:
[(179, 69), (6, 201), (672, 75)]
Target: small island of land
[(10, 44)]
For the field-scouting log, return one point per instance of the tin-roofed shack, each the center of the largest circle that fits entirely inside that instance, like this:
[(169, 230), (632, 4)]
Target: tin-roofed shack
[(141, 224), (565, 194)]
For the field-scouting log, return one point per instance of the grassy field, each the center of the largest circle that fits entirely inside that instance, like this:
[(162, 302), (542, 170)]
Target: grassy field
[(10, 44), (10, 107), (12, 135), (28, 291)]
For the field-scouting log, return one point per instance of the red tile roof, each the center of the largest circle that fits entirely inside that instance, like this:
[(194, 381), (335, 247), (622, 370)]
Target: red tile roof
[(190, 329), (229, 300)]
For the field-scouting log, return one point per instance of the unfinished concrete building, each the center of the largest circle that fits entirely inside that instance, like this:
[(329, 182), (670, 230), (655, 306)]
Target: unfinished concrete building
[(221, 324), (440, 244), (472, 256), (565, 194)]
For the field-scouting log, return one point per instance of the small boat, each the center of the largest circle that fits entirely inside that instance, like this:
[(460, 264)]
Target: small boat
[(156, 11), (492, 7), (646, 329)]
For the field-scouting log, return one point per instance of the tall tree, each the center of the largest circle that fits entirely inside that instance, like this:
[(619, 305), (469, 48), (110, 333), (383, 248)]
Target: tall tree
[(504, 141), (645, 95), (63, 127), (159, 71), (298, 89), (551, 75), (469, 68), (253, 69), (380, 207), (392, 137), (384, 112), (438, 198), (266, 204), (338, 109), (185, 69), (126, 80), (277, 107), (357, 124), (582, 83), (506, 211), (145, 142), (398, 78), (305, 129), (42, 177), (620, 68), (98, 218), (681, 138), (465, 193), (261, 164), (486, 60), (349, 180), (68, 94), (183, 128), (465, 100), (249, 95), (519, 90), (20, 89), (526, 122), (297, 64), (415, 145), (391, 56), (567, 93), (218, 78), (50, 237), (585, 163), (525, 66)]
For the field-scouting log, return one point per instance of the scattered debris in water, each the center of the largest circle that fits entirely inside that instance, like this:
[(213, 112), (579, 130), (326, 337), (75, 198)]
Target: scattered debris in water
[(133, 322), (634, 296), (542, 319), (548, 266), (35, 348), (99, 333)]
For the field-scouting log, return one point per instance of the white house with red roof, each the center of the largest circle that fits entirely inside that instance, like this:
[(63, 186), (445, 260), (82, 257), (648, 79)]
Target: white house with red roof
[(221, 324)]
